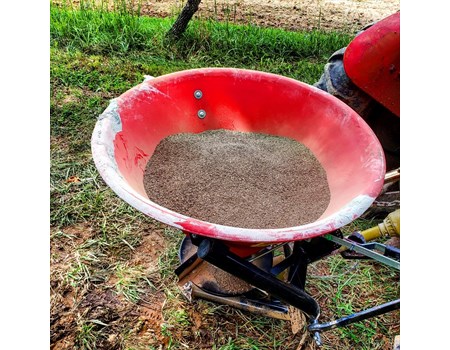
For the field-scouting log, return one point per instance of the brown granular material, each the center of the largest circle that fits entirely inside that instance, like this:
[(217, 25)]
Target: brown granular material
[(248, 180)]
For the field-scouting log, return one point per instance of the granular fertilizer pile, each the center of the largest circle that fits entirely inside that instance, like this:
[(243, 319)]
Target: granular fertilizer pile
[(247, 180)]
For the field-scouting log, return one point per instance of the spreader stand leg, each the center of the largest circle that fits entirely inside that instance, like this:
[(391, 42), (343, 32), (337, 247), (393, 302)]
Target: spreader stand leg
[(218, 254)]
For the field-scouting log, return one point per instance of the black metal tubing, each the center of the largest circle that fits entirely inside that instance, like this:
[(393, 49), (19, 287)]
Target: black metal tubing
[(319, 247), (356, 317), (282, 265), (297, 272), (287, 249), (218, 254), (183, 266), (306, 252)]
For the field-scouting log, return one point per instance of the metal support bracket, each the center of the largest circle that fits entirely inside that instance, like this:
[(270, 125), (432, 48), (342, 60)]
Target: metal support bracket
[(218, 254), (359, 248)]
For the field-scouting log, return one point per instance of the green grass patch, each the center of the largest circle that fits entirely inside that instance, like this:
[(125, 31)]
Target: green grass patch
[(132, 282), (344, 287), (204, 43)]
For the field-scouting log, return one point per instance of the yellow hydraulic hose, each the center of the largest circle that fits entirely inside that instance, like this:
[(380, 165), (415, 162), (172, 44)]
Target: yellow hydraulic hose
[(389, 227)]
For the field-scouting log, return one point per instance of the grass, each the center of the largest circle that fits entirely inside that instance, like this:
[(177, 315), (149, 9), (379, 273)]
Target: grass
[(347, 286), (206, 43), (112, 286), (87, 336), (132, 282)]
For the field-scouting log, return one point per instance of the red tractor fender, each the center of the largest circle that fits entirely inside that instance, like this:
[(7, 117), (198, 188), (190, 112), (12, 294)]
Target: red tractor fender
[(372, 62)]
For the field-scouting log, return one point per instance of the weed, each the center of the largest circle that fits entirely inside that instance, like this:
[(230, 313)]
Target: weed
[(79, 273), (168, 260), (132, 282), (87, 336), (165, 331)]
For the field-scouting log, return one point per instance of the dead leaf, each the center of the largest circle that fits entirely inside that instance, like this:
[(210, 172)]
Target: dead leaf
[(73, 179)]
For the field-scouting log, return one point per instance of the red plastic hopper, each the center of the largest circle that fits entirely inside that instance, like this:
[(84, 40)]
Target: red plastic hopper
[(127, 133)]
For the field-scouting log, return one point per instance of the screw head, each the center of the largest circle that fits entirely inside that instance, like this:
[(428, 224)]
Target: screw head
[(198, 94), (201, 114)]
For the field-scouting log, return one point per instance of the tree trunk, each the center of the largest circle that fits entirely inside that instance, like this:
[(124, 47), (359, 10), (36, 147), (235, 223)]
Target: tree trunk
[(181, 23)]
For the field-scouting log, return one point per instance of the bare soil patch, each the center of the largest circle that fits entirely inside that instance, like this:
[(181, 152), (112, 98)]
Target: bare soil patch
[(342, 15), (75, 309), (345, 15)]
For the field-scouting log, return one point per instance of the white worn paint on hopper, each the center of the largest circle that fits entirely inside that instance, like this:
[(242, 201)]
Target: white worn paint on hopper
[(147, 78), (112, 113)]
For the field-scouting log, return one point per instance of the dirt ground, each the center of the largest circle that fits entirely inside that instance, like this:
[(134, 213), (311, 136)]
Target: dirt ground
[(347, 15)]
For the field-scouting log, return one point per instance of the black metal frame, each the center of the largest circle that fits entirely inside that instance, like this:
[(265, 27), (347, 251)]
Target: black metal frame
[(291, 292)]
